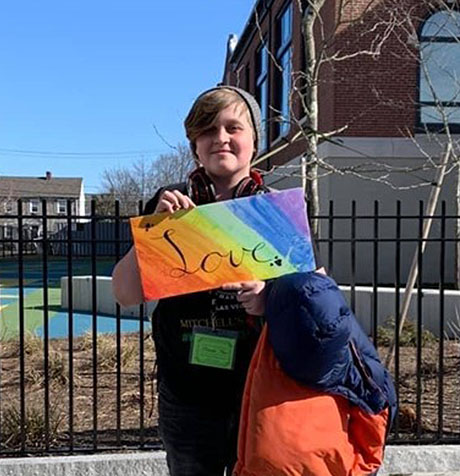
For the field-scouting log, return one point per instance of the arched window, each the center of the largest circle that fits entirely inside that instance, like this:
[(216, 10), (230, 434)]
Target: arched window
[(439, 76)]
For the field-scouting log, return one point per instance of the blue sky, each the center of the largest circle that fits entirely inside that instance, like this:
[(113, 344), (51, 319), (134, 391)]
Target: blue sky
[(95, 76)]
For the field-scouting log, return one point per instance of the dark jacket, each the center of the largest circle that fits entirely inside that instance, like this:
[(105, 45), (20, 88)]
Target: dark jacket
[(318, 342)]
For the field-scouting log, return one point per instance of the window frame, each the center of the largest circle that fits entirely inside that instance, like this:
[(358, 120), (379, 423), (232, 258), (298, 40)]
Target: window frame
[(283, 48), (247, 76), (422, 126), (261, 88), (59, 203), (34, 206), (34, 231), (8, 232)]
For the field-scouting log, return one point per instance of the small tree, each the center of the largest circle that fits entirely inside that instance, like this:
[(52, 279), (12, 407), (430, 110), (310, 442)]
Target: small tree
[(139, 181), (174, 166), (126, 185)]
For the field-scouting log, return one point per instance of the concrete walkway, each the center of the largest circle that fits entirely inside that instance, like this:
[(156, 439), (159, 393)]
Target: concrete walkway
[(399, 461)]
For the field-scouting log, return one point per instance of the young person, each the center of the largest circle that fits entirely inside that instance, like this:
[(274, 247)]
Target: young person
[(199, 406)]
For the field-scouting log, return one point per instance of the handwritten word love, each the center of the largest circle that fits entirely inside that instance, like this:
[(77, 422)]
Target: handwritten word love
[(211, 261)]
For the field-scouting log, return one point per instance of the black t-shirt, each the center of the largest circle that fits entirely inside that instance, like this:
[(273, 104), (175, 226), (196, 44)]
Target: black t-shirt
[(173, 321)]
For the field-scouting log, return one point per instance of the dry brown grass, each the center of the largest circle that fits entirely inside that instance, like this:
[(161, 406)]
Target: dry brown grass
[(85, 400), (430, 390), (57, 372), (35, 428), (107, 350), (82, 383)]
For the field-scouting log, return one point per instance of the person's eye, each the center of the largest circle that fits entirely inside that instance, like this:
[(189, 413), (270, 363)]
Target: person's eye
[(234, 128), (209, 130)]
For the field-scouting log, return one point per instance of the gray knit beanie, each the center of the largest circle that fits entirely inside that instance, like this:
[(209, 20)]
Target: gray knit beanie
[(253, 107)]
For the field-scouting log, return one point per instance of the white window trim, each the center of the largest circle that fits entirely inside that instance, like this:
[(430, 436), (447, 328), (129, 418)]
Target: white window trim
[(8, 232), (64, 204), (32, 205)]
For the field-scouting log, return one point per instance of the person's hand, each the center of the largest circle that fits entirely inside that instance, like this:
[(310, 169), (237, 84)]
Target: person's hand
[(173, 200), (251, 294)]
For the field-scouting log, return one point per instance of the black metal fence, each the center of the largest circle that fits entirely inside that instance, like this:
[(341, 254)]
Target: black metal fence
[(95, 391)]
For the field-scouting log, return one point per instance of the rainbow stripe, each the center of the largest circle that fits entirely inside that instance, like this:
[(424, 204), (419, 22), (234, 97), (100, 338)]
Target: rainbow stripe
[(258, 237)]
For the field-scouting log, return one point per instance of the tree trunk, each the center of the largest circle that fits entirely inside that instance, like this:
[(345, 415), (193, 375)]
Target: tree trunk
[(311, 105), (430, 209)]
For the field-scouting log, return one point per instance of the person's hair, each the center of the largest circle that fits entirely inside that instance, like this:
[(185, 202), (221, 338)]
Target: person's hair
[(206, 108)]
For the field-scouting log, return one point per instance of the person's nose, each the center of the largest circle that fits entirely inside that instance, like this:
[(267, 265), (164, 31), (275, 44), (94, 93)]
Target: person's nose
[(221, 136)]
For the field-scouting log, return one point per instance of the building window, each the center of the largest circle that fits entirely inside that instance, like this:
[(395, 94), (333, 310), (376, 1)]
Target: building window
[(33, 231), (34, 206), (439, 74), (9, 207), (8, 232), (62, 207), (247, 78), (262, 91), (283, 57)]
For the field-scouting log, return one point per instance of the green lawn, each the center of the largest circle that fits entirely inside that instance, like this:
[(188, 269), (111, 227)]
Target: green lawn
[(33, 310)]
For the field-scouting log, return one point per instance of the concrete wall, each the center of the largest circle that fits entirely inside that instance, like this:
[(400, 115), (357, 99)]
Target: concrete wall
[(364, 306), (106, 304), (399, 461)]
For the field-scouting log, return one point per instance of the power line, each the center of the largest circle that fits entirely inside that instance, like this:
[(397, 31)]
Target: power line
[(89, 155)]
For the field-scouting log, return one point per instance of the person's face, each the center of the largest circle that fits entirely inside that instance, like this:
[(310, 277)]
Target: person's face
[(226, 148)]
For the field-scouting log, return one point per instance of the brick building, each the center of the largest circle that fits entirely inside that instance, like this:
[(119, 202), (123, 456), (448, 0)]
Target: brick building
[(397, 75)]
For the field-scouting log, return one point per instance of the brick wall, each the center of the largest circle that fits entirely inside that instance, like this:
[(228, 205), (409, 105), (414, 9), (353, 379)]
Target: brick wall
[(375, 96)]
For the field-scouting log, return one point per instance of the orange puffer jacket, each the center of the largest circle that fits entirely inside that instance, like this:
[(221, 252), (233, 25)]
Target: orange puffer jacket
[(289, 429)]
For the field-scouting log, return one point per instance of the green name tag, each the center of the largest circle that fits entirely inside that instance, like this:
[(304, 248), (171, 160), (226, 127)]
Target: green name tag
[(213, 347)]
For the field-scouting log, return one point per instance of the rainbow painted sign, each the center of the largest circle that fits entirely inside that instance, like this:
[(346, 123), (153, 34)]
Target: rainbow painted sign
[(258, 237)]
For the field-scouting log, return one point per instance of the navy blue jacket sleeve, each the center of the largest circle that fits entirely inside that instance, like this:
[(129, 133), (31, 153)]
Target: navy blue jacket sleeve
[(309, 338), (318, 341)]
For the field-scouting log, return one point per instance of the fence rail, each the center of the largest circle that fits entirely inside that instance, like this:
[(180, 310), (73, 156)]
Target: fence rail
[(70, 392)]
